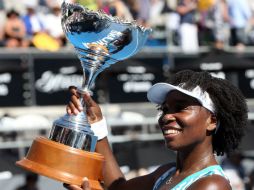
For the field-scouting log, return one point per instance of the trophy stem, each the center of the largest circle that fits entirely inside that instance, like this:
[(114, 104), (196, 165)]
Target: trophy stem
[(74, 131), (93, 61), (88, 75)]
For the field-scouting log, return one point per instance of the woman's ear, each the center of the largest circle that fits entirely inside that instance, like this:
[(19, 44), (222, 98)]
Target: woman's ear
[(212, 123)]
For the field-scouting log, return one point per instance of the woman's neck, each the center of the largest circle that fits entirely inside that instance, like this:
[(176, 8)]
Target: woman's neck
[(195, 159)]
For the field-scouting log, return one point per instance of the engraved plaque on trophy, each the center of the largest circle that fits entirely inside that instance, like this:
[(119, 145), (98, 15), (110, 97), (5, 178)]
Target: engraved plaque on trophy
[(99, 40)]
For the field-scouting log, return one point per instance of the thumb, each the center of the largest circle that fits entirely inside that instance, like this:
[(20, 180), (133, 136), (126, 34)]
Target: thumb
[(85, 185), (88, 100)]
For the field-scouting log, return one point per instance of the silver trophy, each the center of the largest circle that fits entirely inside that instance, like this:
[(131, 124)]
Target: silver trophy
[(99, 40)]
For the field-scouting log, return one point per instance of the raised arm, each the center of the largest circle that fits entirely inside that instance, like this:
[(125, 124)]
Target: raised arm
[(113, 177)]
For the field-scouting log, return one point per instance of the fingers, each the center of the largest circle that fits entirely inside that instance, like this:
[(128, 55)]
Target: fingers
[(72, 109), (85, 185), (72, 187), (74, 106), (73, 90), (90, 104), (93, 110), (89, 101)]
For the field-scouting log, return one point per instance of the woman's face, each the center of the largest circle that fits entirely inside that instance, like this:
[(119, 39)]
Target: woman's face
[(184, 122)]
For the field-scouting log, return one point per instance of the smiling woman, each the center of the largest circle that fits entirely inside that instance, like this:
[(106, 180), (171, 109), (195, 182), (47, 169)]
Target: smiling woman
[(223, 100), (200, 116), (183, 120)]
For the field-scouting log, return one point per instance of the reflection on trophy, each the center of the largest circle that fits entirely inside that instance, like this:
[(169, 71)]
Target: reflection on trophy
[(99, 40)]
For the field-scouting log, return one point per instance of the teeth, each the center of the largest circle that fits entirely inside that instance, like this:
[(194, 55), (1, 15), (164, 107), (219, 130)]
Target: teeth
[(171, 131)]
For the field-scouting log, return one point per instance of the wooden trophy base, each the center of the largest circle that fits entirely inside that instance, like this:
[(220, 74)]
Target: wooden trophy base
[(63, 163)]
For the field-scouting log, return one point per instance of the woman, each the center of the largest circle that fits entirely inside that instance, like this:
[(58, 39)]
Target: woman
[(14, 30), (200, 116)]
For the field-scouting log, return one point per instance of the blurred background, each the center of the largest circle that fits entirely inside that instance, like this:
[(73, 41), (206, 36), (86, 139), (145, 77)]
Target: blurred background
[(38, 64)]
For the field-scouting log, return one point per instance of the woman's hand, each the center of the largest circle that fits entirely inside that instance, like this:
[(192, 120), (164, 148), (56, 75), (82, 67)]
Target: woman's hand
[(93, 110), (85, 186)]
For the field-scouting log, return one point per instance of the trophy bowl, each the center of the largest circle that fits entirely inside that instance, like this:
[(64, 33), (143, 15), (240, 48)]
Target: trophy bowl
[(99, 40)]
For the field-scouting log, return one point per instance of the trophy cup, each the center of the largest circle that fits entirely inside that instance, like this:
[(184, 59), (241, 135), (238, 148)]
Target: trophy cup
[(100, 40)]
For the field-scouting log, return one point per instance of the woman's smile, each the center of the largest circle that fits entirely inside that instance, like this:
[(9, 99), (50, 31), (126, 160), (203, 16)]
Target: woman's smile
[(170, 131)]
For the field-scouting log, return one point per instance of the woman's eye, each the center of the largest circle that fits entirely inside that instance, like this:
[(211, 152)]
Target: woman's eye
[(173, 109), (163, 109), (181, 107)]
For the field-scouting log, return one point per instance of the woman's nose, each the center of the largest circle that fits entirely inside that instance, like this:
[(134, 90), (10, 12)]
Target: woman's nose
[(166, 118)]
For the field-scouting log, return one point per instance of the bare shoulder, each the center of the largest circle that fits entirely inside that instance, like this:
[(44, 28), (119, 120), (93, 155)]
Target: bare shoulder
[(213, 182), (141, 182)]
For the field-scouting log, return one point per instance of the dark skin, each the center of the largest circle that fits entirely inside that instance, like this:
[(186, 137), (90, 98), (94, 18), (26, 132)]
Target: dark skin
[(187, 128)]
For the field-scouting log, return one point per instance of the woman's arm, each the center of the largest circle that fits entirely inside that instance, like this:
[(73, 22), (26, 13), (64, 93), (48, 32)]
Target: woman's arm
[(113, 177), (112, 173)]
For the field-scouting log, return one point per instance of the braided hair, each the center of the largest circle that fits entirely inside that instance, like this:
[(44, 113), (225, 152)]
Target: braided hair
[(230, 107)]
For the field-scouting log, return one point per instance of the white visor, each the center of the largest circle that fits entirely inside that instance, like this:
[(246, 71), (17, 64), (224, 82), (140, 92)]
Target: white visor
[(158, 92)]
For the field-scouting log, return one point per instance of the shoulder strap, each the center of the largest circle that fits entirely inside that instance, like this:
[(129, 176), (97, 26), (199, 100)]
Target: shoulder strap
[(210, 170), (163, 177)]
